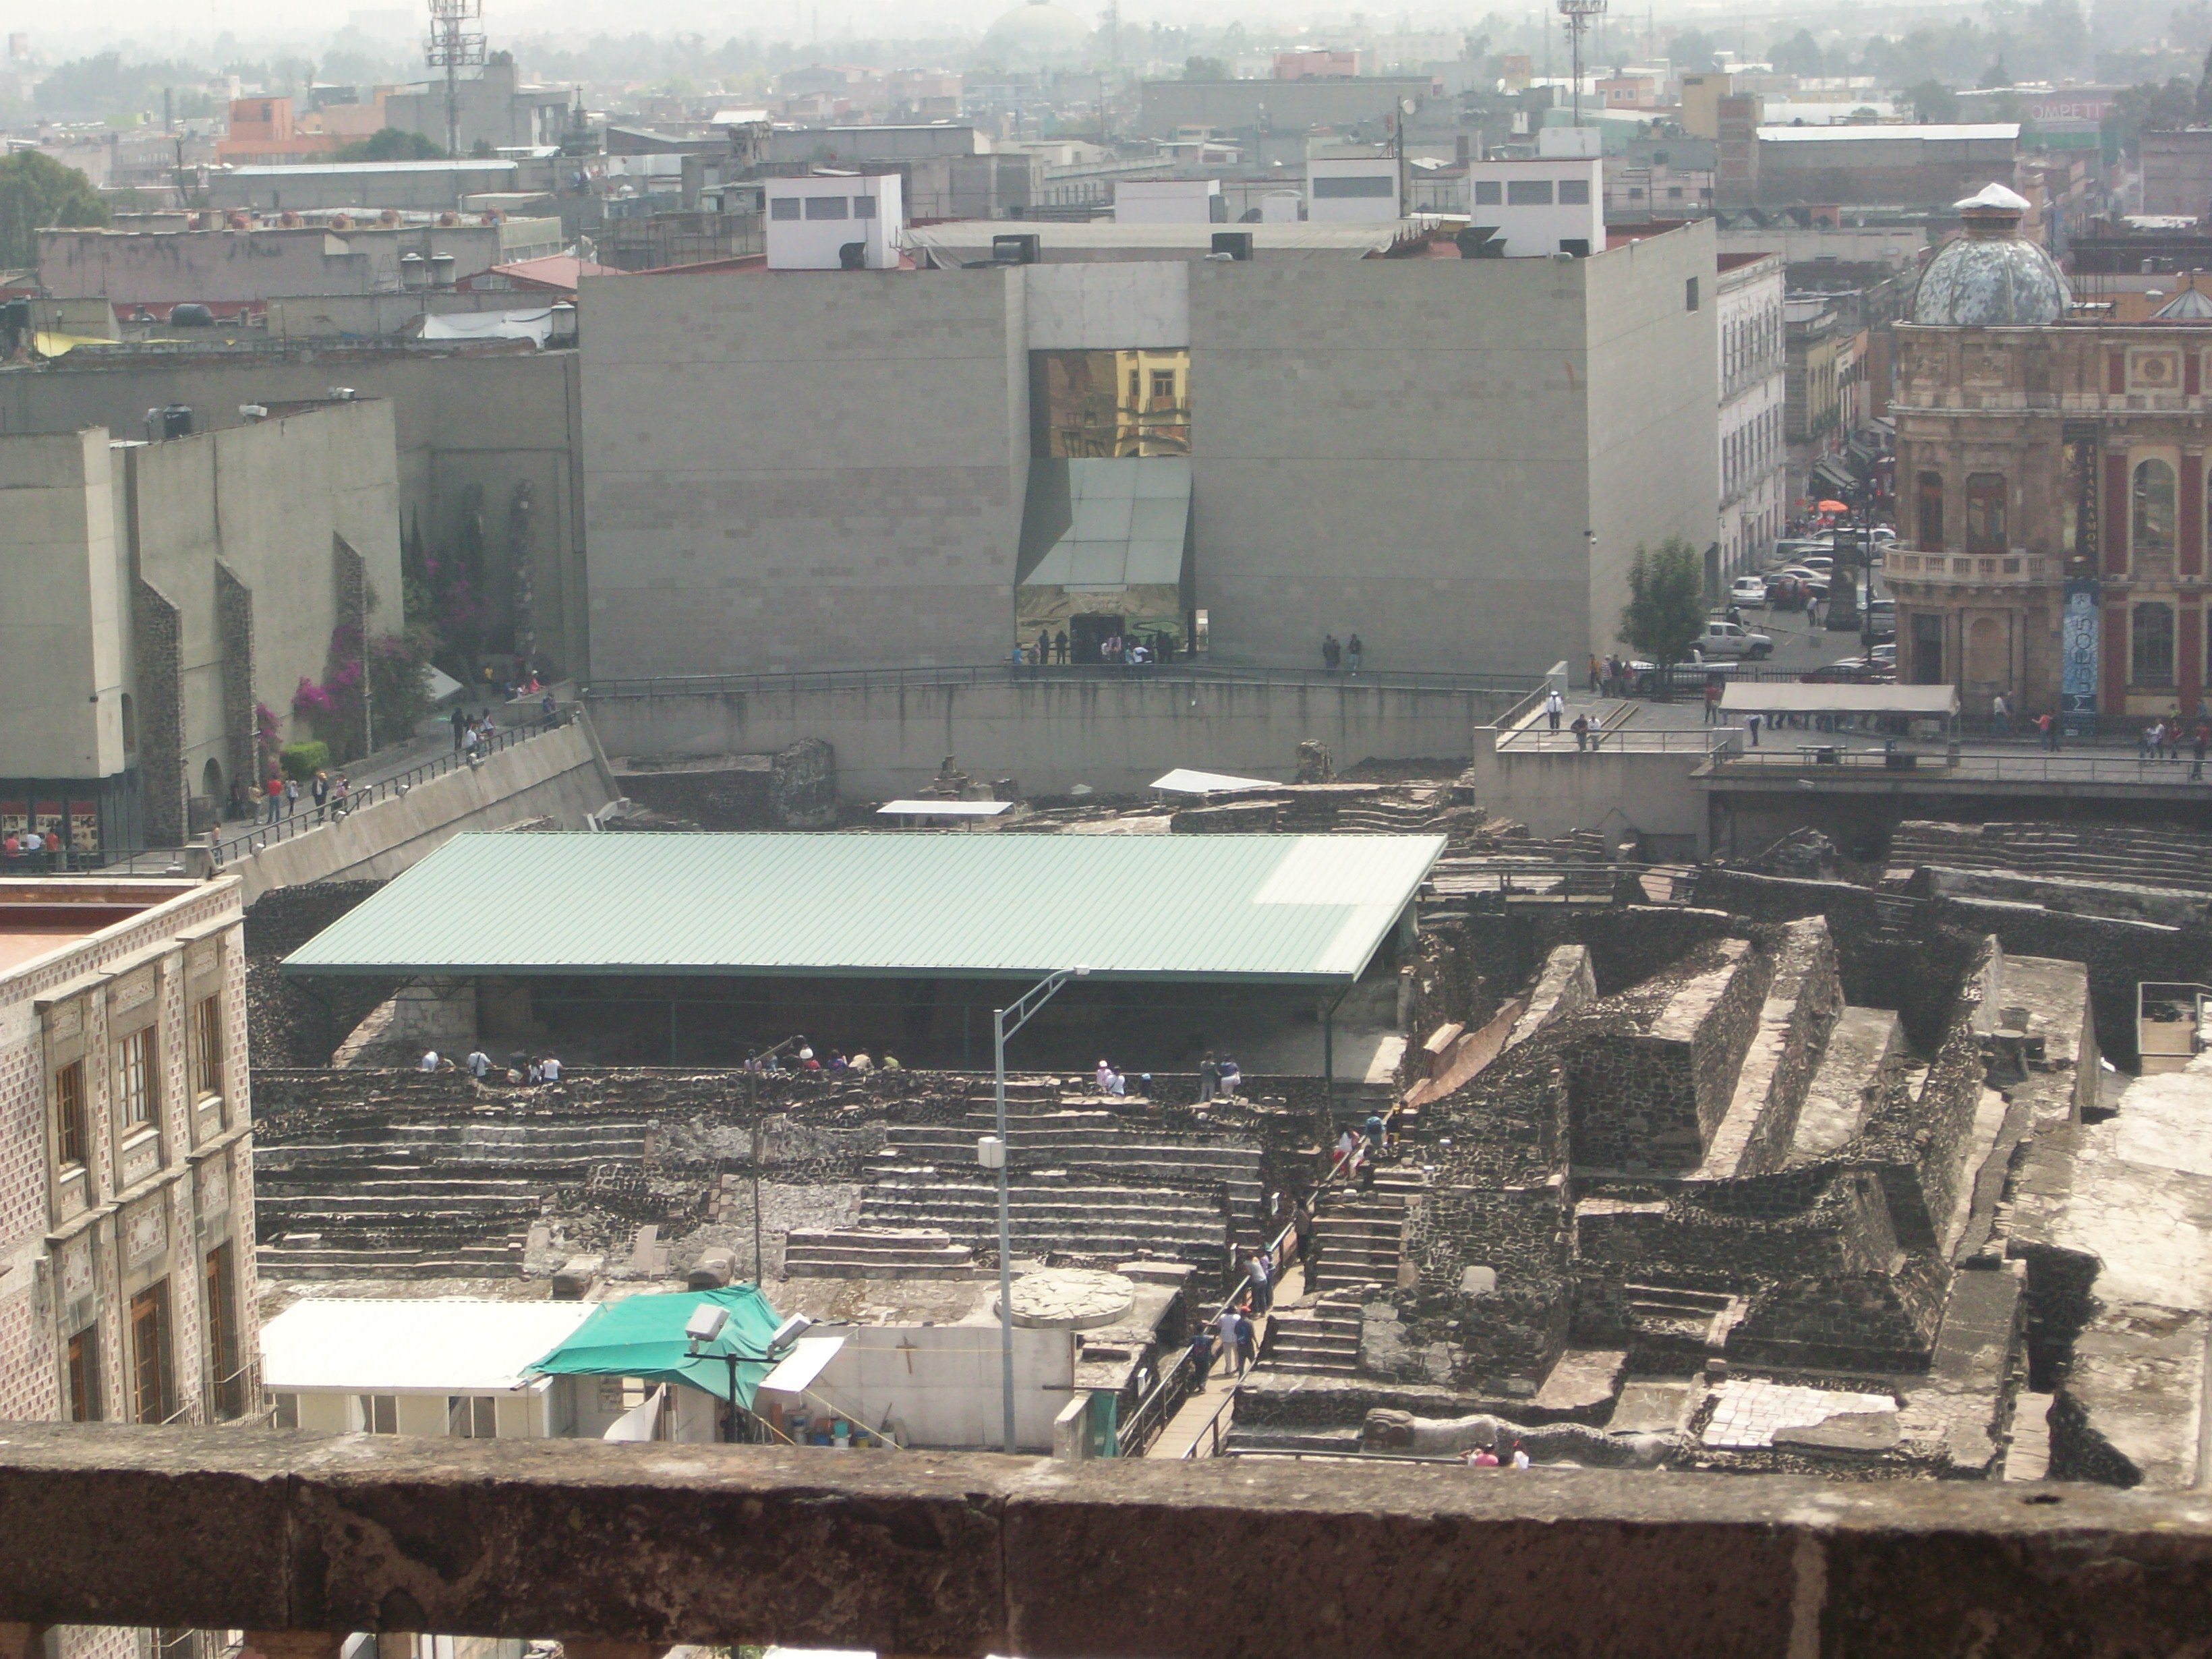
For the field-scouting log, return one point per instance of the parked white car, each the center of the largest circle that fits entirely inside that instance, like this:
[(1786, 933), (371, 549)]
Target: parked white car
[(1722, 640), (1747, 590)]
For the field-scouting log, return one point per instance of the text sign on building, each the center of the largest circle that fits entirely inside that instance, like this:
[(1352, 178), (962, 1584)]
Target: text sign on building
[(2078, 629)]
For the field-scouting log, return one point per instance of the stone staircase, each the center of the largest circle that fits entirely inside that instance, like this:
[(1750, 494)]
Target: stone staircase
[(1864, 1049), (2127, 854), (875, 1253), (1672, 1331), (1323, 1338), (1081, 1181), (1358, 1242), (428, 1199)]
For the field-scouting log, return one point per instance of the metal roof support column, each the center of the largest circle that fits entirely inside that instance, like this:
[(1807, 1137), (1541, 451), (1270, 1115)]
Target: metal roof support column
[(1328, 1067)]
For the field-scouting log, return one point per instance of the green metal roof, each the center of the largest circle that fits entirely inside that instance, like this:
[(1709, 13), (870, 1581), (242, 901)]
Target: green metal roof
[(1301, 909)]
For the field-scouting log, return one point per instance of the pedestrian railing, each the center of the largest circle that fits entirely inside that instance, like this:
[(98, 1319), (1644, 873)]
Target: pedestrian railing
[(1178, 1378), (304, 819), (1537, 740), (1184, 672), (1794, 751)]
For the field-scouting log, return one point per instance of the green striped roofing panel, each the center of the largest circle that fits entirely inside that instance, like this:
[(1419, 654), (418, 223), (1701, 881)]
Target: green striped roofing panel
[(1308, 909)]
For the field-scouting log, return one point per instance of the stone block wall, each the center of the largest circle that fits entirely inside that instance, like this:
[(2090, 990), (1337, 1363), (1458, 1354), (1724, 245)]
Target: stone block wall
[(1875, 1320), (1802, 1007), (1920, 1142), (1650, 1094), (157, 640), (802, 790)]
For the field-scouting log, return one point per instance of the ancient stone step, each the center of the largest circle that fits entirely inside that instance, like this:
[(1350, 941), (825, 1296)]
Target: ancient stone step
[(875, 1253), (1862, 1050)]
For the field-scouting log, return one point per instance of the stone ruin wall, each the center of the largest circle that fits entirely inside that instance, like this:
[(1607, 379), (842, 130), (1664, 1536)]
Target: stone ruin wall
[(1639, 1098)]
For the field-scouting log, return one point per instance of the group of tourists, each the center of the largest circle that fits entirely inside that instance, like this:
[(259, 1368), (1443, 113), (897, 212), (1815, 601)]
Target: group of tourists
[(520, 1067), (42, 847), (1136, 651), (859, 1063), (330, 797)]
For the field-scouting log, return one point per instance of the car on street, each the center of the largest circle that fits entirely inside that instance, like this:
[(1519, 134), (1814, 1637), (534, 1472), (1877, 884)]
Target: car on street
[(1881, 621), (1747, 590), (1724, 640), (1848, 671), (1814, 582), (1885, 655), (1646, 678)]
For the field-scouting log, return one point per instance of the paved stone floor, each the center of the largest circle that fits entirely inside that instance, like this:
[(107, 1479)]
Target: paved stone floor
[(1750, 1411)]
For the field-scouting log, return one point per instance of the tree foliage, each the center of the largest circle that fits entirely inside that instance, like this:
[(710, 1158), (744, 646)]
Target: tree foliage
[(105, 85), (391, 144), (1933, 101), (36, 192), (1665, 610), (1800, 54), (1695, 51), (1205, 69)]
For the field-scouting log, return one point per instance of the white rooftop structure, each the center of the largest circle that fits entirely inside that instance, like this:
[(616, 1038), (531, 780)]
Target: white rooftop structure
[(411, 1346), (1169, 202), (812, 221), (1185, 781), (1541, 205), (943, 809)]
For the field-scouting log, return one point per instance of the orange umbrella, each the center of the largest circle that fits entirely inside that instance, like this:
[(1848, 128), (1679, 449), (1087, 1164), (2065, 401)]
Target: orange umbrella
[(1833, 507)]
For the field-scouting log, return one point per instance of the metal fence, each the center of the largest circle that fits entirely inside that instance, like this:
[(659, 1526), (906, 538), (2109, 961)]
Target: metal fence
[(305, 819), (1006, 673), (1970, 766)]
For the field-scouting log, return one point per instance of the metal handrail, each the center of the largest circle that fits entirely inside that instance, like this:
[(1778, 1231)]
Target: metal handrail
[(1649, 740), (306, 819), (2041, 767), (1132, 1442), (999, 673)]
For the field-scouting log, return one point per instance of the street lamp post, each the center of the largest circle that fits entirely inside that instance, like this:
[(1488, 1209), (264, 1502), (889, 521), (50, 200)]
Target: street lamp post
[(995, 1150)]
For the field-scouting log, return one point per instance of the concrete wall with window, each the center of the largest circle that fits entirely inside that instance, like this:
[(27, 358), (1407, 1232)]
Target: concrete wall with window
[(1653, 361)]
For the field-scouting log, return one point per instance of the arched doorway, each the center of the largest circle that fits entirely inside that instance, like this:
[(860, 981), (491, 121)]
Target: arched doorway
[(211, 784)]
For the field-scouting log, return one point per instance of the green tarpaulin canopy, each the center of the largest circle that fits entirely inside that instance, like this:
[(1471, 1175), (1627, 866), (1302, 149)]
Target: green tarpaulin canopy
[(642, 1336)]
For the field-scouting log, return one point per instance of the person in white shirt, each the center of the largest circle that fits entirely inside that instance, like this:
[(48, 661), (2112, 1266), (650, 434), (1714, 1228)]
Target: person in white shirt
[(479, 1063), (1225, 1322), (1520, 1456), (552, 1069), (1554, 706), (1105, 1078), (429, 1062)]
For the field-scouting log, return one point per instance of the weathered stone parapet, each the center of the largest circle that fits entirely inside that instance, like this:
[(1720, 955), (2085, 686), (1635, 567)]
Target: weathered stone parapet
[(923, 1553)]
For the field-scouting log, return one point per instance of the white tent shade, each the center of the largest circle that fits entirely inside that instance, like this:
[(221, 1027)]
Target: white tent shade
[(943, 809), (1796, 697), (1184, 781)]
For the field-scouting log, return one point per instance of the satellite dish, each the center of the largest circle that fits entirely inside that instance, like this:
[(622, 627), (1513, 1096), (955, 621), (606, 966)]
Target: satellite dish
[(1405, 104)]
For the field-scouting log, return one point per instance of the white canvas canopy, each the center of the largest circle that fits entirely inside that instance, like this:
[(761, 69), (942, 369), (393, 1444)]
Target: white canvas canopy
[(1184, 781), (1796, 697)]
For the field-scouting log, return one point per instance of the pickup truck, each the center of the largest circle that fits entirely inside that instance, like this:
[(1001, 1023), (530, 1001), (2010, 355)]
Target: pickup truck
[(1726, 640)]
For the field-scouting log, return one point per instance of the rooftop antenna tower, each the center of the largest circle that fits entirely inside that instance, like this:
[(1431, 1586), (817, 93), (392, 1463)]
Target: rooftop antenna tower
[(456, 41), (1579, 14)]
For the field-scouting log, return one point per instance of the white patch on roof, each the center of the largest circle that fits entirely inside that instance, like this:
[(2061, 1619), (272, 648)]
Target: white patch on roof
[(1185, 781)]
